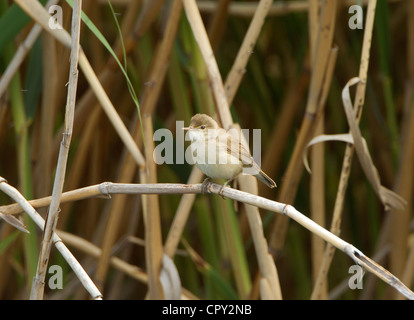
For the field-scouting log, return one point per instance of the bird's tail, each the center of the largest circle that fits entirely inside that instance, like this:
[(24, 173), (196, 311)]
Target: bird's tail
[(266, 179)]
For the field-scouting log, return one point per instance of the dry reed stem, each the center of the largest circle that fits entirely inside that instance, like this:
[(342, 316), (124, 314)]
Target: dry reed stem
[(408, 274), (282, 128), (41, 16), (246, 49), (85, 151), (266, 265), (410, 40), (317, 204), (313, 109), (317, 179), (53, 213), (67, 255), (346, 165), (406, 175), (107, 188), (343, 286), (399, 231), (69, 196), (151, 211), (21, 54), (313, 23), (317, 187), (217, 22)]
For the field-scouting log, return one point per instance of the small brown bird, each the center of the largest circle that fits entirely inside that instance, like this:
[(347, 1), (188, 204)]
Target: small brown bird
[(220, 155)]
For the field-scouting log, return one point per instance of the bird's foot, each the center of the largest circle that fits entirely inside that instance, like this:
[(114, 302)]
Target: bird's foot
[(204, 185), (220, 193)]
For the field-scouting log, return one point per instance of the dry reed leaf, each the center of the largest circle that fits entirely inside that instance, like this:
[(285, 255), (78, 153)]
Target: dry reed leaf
[(14, 222), (345, 137), (389, 198), (40, 222), (170, 279)]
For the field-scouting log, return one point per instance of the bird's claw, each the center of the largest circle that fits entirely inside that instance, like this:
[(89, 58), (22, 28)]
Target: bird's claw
[(220, 193), (204, 185)]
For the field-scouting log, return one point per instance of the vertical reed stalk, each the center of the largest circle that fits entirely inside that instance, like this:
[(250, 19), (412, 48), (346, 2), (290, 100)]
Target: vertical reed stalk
[(218, 22), (269, 284), (317, 183), (402, 252), (151, 210), (349, 150), (52, 217), (235, 75), (313, 110), (49, 101)]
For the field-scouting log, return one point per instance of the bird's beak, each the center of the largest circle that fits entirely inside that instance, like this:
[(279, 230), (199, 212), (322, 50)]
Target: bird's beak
[(186, 128)]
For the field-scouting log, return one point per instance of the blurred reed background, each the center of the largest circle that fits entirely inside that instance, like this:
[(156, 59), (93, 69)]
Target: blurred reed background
[(292, 75)]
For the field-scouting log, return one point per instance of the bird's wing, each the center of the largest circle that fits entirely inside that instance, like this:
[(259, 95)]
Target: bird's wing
[(238, 150)]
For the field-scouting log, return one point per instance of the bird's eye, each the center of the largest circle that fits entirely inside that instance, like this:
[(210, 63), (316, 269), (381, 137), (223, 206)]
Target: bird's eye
[(203, 127)]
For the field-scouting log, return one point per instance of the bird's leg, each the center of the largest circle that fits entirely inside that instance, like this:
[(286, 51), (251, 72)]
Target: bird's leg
[(204, 186)]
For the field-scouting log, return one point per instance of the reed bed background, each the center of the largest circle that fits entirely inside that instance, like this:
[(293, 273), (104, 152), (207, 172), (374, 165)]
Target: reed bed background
[(275, 65)]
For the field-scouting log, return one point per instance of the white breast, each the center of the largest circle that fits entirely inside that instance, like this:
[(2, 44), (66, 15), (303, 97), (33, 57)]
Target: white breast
[(212, 158)]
